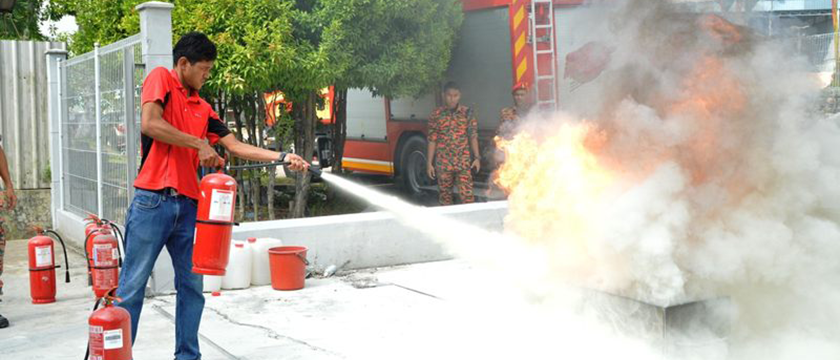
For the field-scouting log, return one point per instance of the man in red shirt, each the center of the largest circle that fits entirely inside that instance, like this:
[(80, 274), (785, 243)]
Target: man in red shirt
[(178, 129)]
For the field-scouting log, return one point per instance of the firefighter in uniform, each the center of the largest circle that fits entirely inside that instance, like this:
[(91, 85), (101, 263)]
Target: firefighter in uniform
[(511, 117), (453, 147), (8, 200)]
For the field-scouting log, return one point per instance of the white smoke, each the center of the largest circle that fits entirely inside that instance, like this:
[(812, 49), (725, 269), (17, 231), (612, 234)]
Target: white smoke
[(737, 195)]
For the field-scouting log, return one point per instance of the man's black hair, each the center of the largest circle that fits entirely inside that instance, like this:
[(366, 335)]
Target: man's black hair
[(194, 46), (451, 86)]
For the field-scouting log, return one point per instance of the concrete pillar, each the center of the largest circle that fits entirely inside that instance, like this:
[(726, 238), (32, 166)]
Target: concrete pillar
[(54, 94), (156, 38), (156, 33)]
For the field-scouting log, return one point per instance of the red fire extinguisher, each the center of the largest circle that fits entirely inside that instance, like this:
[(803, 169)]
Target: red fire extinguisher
[(110, 331), (105, 257), (103, 254), (94, 224), (42, 266), (214, 224)]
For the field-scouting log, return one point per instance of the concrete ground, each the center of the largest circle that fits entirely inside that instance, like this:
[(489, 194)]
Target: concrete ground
[(381, 313)]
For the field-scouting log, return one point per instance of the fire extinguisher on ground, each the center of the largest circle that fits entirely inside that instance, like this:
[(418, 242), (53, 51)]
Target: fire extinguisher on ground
[(110, 330), (104, 260), (42, 266), (94, 226)]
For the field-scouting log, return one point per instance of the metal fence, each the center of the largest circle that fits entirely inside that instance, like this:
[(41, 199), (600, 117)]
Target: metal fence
[(818, 49), (100, 97), (23, 111)]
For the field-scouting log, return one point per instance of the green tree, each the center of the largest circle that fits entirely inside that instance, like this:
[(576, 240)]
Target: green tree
[(99, 21), (396, 48), (22, 23)]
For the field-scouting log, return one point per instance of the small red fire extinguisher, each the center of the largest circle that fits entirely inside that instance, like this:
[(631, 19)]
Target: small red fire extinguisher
[(104, 257), (92, 226), (110, 331), (95, 225), (42, 266), (214, 224)]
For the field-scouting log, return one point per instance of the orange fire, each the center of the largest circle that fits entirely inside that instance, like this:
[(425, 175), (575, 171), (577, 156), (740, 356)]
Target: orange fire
[(562, 182), (557, 188)]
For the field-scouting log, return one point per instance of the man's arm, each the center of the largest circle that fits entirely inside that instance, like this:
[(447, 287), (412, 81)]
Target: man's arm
[(430, 150), (472, 131), (153, 125), (7, 181), (250, 152), (430, 164)]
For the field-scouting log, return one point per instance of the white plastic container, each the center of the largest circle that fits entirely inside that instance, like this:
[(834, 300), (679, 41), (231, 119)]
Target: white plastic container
[(212, 283), (260, 271), (238, 272)]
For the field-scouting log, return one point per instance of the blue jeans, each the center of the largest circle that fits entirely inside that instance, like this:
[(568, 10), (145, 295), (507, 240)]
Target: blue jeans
[(155, 220)]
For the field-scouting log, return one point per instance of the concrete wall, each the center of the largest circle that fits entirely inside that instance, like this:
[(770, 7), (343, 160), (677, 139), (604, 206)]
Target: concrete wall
[(23, 111), (359, 240), (33, 208), (370, 239)]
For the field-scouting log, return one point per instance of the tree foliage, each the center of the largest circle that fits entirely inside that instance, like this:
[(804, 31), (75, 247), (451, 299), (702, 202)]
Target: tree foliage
[(22, 23), (398, 48)]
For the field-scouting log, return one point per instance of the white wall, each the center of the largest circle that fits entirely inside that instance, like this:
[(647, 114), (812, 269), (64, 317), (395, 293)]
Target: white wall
[(369, 239)]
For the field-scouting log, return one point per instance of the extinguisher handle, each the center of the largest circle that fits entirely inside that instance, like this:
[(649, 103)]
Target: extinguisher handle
[(111, 296)]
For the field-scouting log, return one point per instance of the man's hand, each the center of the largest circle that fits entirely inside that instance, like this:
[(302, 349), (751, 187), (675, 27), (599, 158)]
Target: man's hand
[(476, 164), (296, 162), (430, 170), (9, 199), (208, 157)]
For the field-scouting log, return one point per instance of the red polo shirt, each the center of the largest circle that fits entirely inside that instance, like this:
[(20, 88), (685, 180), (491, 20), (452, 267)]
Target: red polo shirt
[(164, 165)]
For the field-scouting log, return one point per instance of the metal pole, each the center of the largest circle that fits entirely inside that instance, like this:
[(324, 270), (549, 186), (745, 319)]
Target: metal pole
[(61, 83), (97, 88), (130, 129)]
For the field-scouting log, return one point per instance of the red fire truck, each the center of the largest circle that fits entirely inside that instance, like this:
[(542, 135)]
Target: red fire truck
[(501, 43)]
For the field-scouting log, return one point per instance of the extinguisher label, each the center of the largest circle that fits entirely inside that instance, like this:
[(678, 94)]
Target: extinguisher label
[(113, 339), (96, 349), (43, 256), (221, 205), (103, 255)]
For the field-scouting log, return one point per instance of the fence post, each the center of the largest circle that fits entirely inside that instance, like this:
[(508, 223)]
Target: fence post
[(156, 33), (97, 89), (54, 94), (156, 37)]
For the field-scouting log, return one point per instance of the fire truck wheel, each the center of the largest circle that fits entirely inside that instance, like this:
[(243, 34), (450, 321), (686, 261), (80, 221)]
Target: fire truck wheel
[(412, 178)]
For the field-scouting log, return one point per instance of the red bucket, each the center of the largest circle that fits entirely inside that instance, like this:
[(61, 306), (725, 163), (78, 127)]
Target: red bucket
[(288, 267)]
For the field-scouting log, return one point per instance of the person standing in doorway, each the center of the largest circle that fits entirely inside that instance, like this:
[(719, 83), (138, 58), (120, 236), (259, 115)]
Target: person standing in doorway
[(453, 147), (8, 201), (178, 130)]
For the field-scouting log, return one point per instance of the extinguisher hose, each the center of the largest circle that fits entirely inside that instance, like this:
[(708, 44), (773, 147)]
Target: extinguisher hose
[(87, 348), (118, 233), (87, 255), (315, 170), (121, 240), (66, 264)]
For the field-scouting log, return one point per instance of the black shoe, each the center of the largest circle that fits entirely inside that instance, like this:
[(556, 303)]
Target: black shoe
[(4, 323)]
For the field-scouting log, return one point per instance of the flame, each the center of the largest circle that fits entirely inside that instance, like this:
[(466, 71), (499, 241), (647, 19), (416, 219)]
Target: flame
[(562, 181), (557, 187)]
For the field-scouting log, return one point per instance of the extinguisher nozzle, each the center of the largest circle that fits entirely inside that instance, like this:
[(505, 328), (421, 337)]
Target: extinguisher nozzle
[(315, 170), (67, 277)]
